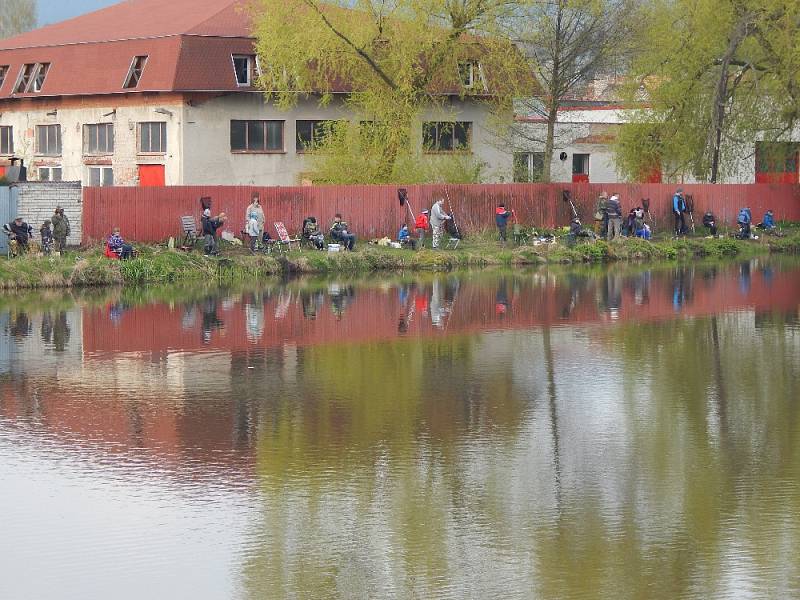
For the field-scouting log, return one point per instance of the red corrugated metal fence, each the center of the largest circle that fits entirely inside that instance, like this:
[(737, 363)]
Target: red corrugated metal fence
[(153, 214)]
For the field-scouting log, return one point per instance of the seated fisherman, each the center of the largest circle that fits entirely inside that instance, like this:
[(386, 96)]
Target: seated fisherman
[(19, 234), (744, 220), (768, 224), (340, 233), (312, 233), (576, 230), (640, 228), (118, 246), (404, 237), (710, 223)]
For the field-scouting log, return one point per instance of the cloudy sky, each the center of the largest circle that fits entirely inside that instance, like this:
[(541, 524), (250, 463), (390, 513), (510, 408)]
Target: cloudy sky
[(51, 11)]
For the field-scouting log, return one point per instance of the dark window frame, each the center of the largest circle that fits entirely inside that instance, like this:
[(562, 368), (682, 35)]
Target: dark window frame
[(93, 130), (53, 131), (162, 131), (316, 126), (247, 128), (584, 157), (444, 135), (6, 139)]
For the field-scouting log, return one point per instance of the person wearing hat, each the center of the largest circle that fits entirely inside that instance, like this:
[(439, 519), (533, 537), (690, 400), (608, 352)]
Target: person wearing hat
[(679, 210), (60, 229), (19, 234), (421, 227)]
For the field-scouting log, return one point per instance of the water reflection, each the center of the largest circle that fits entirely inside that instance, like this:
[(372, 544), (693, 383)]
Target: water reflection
[(567, 434)]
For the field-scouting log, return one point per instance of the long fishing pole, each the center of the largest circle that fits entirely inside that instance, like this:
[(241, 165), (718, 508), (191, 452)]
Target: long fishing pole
[(450, 210)]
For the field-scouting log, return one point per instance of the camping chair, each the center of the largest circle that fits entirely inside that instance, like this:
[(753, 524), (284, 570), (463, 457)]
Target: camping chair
[(284, 242), (189, 228), (452, 243)]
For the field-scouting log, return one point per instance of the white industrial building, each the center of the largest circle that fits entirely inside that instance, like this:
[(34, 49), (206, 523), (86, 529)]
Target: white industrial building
[(148, 92)]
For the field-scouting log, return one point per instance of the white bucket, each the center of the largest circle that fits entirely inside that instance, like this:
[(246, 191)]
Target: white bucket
[(334, 247)]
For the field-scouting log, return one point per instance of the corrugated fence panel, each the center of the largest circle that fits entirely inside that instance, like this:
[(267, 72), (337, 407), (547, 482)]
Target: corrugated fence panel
[(152, 214)]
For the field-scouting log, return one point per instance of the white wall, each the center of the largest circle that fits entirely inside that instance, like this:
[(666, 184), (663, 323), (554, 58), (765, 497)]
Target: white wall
[(72, 115)]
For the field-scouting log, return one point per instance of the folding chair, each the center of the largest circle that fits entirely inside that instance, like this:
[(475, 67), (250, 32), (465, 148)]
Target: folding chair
[(189, 228), (284, 242), (452, 243)]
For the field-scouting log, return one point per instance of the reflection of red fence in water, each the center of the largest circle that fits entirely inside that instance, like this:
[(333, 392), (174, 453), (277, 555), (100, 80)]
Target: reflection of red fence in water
[(153, 213), (373, 315)]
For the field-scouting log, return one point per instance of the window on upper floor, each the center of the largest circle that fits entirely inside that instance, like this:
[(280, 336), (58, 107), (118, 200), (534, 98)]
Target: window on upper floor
[(445, 136), (135, 72), (6, 139), (245, 67), (48, 140), (98, 138), (468, 72), (257, 136), (3, 73), (100, 176), (153, 137), (31, 78), (50, 173)]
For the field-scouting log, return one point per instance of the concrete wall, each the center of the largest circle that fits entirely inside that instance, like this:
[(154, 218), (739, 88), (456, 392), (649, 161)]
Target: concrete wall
[(209, 161), (38, 200), (71, 114)]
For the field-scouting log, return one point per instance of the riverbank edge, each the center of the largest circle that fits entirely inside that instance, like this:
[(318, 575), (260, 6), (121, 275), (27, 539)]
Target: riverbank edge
[(162, 265)]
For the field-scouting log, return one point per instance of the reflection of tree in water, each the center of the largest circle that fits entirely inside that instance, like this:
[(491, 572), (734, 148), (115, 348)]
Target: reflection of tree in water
[(61, 332), (47, 328)]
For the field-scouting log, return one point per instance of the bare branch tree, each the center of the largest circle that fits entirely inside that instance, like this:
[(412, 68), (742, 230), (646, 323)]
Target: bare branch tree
[(16, 16)]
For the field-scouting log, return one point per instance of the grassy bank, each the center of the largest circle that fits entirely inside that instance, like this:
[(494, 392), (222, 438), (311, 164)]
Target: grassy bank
[(161, 265)]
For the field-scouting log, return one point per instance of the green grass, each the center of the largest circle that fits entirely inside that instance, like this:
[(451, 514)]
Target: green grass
[(159, 265)]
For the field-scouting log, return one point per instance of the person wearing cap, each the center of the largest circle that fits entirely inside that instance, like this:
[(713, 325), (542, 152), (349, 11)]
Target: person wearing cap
[(614, 212), (60, 229), (421, 227), (679, 210), (19, 234)]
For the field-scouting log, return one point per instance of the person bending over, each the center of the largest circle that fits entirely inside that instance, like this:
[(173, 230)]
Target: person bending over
[(710, 223), (340, 232)]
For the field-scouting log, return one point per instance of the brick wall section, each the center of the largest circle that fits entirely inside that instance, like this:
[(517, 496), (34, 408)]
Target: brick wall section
[(38, 200)]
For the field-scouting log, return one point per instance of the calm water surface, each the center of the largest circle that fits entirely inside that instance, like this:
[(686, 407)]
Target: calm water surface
[(554, 434)]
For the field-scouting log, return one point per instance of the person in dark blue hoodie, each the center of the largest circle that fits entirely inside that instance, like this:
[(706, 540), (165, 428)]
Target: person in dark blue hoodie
[(744, 220), (501, 220), (679, 211)]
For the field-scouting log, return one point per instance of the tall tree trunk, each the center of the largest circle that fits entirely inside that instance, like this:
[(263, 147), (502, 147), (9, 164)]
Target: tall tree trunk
[(721, 95), (552, 117), (554, 95)]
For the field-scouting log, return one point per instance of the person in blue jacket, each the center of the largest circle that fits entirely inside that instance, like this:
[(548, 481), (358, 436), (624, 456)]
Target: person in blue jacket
[(679, 211), (768, 224), (744, 220), (404, 237)]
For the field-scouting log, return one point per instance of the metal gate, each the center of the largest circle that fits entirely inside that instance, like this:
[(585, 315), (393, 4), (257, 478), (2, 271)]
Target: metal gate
[(8, 210)]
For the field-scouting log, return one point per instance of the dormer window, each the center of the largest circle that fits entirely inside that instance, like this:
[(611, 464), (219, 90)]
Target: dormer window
[(467, 72), (31, 78), (245, 66), (3, 73), (135, 72)]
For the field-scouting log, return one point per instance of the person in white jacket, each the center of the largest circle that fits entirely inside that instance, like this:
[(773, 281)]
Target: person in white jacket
[(438, 218), (254, 221)]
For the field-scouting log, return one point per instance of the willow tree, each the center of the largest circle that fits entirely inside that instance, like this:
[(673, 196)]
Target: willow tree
[(16, 16), (715, 76), (390, 61)]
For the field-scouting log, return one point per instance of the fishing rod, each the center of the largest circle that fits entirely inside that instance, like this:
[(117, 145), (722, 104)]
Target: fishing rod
[(402, 195), (690, 208), (452, 214), (566, 196), (646, 206)]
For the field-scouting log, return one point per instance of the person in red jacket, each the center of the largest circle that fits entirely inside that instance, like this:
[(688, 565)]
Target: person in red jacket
[(421, 226)]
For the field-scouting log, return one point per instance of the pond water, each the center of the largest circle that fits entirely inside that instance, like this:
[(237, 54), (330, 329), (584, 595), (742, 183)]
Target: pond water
[(548, 434)]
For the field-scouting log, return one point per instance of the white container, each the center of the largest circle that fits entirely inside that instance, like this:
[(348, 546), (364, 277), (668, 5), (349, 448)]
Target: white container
[(396, 245), (334, 247)]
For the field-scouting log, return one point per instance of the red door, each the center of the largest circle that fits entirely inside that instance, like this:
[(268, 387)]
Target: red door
[(151, 175)]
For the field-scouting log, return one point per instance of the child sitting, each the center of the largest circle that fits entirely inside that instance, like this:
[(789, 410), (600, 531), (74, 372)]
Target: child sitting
[(405, 239)]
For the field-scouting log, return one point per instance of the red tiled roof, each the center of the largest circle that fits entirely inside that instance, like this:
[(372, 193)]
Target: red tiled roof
[(188, 43)]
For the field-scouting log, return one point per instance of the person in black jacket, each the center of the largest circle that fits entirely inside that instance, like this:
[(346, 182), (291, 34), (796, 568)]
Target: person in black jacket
[(19, 234), (710, 223), (341, 233), (210, 227)]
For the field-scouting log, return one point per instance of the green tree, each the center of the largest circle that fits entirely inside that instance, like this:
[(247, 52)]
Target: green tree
[(716, 75), (16, 16), (392, 61)]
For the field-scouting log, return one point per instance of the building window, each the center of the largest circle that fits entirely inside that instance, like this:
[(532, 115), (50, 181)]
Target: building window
[(48, 140), (256, 136), (311, 134), (49, 173), (446, 136), (245, 66), (153, 138), (6, 139), (98, 138), (467, 72), (31, 78), (135, 72), (3, 73), (580, 164), (528, 166), (100, 176)]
